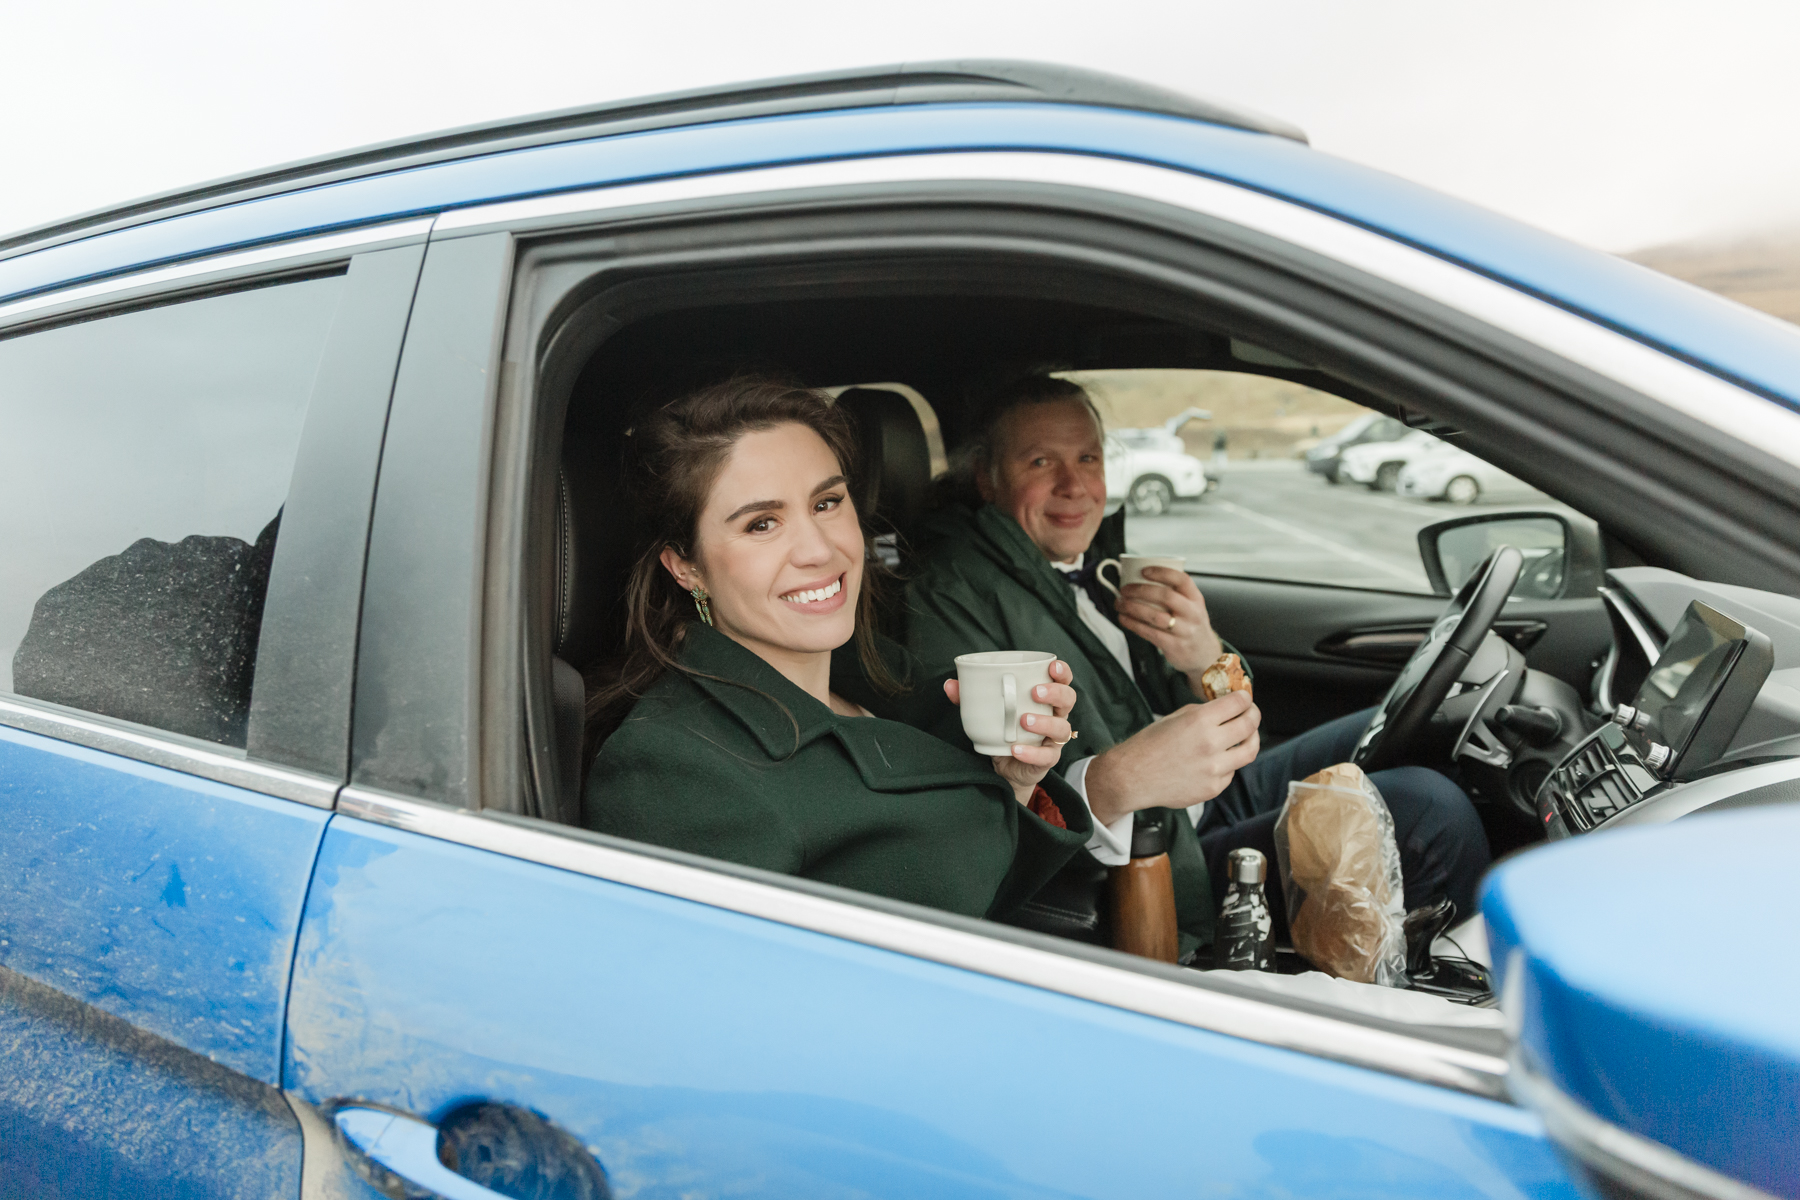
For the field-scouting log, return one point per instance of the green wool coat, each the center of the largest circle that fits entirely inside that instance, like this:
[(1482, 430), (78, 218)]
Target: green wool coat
[(980, 584), (731, 760)]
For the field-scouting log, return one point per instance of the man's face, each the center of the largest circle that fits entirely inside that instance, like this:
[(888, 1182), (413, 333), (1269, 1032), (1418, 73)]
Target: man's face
[(1049, 475)]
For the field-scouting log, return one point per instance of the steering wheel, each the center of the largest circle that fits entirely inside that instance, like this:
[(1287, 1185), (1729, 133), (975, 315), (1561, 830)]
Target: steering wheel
[(1425, 680)]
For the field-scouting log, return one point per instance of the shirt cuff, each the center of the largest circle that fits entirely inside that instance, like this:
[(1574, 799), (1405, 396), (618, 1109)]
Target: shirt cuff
[(1111, 844)]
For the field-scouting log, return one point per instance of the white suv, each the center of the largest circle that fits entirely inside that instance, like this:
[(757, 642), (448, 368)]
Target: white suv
[(1378, 464), (1149, 469)]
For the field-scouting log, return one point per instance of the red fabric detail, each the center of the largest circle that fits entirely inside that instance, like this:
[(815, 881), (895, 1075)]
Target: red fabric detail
[(1046, 809)]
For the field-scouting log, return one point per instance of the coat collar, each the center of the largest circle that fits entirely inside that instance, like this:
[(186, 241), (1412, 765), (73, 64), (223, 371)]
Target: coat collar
[(1019, 556), (753, 691), (888, 754)]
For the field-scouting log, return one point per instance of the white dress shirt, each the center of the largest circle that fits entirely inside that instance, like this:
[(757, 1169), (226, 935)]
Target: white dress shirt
[(1111, 844)]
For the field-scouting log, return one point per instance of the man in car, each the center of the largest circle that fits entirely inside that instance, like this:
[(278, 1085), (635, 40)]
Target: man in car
[(1015, 570)]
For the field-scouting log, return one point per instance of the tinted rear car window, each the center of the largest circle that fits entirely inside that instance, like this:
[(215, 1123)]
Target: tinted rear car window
[(143, 467)]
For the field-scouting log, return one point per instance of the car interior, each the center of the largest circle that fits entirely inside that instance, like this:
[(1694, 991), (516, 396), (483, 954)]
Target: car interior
[(908, 350), (941, 349)]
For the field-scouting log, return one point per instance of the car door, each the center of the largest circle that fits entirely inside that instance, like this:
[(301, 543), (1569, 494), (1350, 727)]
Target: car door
[(481, 996), (697, 1032), (189, 468), (1320, 651)]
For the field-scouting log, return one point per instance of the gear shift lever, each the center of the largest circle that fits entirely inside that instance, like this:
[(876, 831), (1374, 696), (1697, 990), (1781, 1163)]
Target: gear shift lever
[(1422, 927), (1452, 978)]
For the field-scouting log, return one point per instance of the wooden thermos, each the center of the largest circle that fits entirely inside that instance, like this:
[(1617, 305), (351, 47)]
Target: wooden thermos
[(1143, 895)]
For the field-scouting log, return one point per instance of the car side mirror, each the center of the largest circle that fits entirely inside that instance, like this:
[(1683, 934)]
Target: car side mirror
[(1651, 1013), (1562, 557)]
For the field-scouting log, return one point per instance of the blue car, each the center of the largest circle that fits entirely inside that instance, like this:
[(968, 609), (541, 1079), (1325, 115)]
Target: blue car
[(307, 523)]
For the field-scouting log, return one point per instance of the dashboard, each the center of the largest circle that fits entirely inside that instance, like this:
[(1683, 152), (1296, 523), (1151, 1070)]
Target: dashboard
[(1712, 718)]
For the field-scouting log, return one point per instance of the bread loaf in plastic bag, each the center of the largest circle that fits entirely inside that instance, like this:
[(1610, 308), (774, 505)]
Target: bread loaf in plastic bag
[(1340, 873)]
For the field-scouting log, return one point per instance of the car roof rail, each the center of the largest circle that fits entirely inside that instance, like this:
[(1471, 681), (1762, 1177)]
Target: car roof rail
[(949, 81)]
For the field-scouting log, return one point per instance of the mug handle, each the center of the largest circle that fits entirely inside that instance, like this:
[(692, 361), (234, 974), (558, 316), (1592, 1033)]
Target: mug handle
[(1100, 573), (1009, 703)]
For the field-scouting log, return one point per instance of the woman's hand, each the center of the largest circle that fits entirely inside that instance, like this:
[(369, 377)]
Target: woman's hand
[(1170, 613), (1028, 764)]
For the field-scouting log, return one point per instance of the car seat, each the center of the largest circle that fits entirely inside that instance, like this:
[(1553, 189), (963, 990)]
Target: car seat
[(894, 461), (588, 566)]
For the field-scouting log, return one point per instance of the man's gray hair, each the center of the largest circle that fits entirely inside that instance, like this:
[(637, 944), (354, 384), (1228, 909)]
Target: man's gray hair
[(1033, 389)]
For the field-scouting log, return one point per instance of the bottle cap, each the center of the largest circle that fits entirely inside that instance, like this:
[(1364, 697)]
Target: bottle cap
[(1149, 837), (1247, 866)]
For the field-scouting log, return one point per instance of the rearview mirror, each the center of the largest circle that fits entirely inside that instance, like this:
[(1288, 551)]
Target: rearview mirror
[(1653, 1029), (1562, 561)]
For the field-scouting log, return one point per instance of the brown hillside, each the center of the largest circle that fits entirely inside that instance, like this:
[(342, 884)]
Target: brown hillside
[(1762, 272), (1261, 417)]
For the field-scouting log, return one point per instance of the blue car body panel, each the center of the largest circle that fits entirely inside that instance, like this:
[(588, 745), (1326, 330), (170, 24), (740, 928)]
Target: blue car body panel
[(147, 924), (91, 1106), (1693, 324), (160, 898), (701, 1051), (1658, 988)]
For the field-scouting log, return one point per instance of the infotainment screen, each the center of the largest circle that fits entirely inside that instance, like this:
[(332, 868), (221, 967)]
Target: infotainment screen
[(1708, 658)]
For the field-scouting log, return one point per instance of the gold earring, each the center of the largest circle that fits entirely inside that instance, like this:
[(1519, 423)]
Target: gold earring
[(702, 602)]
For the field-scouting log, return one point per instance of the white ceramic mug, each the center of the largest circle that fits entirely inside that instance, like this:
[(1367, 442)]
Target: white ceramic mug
[(1131, 568), (996, 688)]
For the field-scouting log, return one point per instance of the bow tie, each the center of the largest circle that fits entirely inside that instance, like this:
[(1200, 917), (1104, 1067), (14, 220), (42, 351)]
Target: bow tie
[(1077, 579)]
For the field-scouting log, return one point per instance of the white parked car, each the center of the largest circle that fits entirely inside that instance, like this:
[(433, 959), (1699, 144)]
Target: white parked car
[(1149, 469), (1447, 472), (1378, 464)]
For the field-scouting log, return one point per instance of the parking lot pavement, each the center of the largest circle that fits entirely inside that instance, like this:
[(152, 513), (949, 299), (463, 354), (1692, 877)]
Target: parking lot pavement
[(1272, 520)]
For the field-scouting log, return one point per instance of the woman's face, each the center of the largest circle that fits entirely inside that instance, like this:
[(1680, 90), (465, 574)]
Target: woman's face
[(778, 546)]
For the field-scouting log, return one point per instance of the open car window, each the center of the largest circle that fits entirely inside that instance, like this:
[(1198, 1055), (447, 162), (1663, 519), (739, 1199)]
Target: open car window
[(917, 363), (1259, 477)]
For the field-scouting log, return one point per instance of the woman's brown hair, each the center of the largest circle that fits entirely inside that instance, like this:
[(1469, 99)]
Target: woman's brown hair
[(672, 459)]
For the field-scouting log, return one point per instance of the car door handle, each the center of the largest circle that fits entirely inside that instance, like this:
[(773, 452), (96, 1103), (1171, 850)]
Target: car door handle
[(1380, 646), (1392, 645), (407, 1147)]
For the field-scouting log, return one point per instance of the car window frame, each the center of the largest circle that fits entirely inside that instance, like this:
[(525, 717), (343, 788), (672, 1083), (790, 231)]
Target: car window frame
[(501, 412), (299, 728)]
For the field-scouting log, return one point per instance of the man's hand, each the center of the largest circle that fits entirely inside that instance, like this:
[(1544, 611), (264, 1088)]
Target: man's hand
[(1187, 757), (1146, 609)]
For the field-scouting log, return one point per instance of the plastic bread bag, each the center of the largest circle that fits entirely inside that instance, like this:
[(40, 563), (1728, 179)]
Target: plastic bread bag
[(1340, 873)]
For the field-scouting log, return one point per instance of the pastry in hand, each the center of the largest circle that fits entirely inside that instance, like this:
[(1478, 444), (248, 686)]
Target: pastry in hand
[(1226, 675)]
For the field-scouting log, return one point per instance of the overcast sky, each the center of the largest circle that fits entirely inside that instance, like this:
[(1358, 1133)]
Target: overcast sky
[(1620, 123)]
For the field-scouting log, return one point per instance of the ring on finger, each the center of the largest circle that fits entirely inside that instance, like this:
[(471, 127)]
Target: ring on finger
[(1171, 624), (1073, 734)]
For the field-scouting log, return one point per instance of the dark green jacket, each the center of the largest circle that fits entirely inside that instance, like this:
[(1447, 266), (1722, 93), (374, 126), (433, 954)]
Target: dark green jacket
[(711, 763), (981, 584)]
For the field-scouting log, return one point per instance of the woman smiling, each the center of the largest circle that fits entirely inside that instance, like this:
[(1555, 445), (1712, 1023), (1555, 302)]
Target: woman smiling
[(767, 723)]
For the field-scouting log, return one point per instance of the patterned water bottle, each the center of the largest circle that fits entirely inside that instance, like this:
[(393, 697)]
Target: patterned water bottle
[(1245, 936)]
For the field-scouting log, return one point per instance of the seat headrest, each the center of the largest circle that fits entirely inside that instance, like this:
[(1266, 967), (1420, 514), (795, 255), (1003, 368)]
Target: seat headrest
[(588, 564), (894, 458)]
